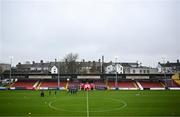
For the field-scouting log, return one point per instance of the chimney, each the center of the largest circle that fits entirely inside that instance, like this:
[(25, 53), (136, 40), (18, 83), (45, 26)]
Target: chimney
[(33, 62), (137, 63), (177, 60), (83, 60), (102, 59), (19, 63), (55, 60), (167, 61), (102, 64), (41, 61), (99, 60)]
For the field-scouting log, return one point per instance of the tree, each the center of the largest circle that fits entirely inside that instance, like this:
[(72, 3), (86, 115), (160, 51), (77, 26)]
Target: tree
[(93, 68), (83, 71), (1, 70), (70, 61)]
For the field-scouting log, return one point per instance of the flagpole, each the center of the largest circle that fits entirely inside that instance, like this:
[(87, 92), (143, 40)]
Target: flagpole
[(116, 85), (58, 77)]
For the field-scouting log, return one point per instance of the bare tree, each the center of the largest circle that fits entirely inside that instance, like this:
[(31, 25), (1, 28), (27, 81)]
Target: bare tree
[(93, 68), (83, 71), (70, 61), (63, 68), (1, 70)]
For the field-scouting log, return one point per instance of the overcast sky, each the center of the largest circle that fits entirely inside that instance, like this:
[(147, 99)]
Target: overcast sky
[(143, 30)]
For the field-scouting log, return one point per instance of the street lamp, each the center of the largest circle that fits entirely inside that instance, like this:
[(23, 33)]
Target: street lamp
[(57, 65), (116, 85), (10, 66), (58, 75), (165, 72)]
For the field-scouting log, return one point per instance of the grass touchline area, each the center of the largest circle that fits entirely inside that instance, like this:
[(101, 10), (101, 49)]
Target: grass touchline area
[(89, 104)]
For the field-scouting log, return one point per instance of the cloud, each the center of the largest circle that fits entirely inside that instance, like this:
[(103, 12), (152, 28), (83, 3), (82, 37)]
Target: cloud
[(131, 29)]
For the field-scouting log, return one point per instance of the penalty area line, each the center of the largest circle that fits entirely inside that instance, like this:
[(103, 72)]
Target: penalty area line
[(87, 103)]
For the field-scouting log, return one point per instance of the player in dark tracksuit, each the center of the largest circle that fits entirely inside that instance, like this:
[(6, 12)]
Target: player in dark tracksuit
[(42, 93)]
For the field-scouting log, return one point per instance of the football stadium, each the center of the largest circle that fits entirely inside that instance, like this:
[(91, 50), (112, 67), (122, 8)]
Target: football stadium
[(92, 95), (89, 58)]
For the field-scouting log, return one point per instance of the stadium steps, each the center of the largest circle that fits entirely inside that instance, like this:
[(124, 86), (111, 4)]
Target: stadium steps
[(67, 84), (66, 87), (36, 84), (12, 84), (135, 85), (177, 81), (110, 85), (107, 85), (176, 78), (162, 84), (139, 85)]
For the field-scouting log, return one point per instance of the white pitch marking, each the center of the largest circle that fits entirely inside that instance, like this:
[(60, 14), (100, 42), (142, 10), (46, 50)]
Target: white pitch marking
[(61, 109), (87, 100)]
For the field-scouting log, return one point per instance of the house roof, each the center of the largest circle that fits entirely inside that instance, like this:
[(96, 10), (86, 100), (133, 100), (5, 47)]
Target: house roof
[(128, 64), (49, 65), (125, 64), (40, 65), (23, 66), (169, 64)]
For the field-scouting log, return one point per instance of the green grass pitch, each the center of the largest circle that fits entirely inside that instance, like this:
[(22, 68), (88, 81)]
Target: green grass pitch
[(93, 103)]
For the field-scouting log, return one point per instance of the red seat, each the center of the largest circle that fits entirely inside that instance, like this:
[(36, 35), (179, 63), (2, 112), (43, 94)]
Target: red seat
[(126, 84), (25, 84), (52, 84), (149, 84), (122, 84)]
